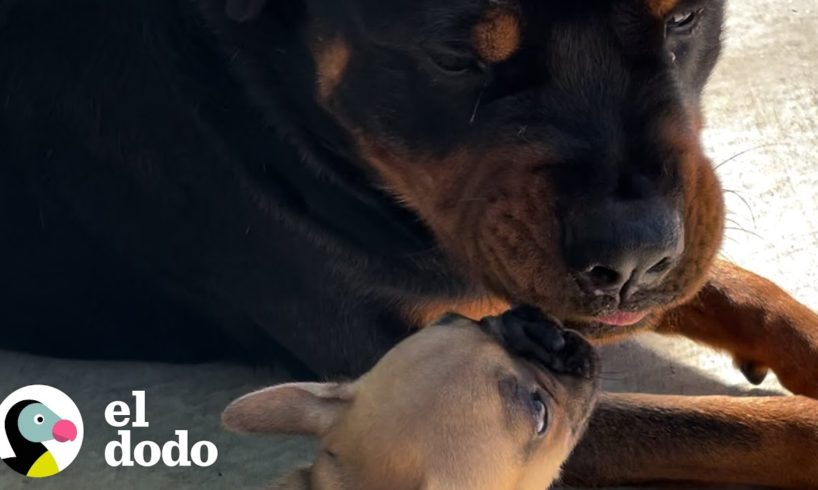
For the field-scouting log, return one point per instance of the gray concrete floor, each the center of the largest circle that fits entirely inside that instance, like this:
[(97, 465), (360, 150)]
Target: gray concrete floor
[(763, 118)]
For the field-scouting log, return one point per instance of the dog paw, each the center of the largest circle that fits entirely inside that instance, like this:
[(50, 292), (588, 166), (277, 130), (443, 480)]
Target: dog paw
[(798, 372), (755, 372), (793, 359), (540, 338)]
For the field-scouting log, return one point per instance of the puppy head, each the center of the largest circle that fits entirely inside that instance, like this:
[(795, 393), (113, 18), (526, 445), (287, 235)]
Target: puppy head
[(454, 406)]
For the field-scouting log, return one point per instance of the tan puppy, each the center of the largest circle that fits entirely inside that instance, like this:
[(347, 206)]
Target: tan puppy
[(494, 405)]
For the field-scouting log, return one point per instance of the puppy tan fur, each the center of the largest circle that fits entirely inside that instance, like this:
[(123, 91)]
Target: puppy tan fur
[(494, 405)]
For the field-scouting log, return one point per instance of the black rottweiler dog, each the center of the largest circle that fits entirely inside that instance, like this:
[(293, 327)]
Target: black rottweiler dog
[(177, 184), (315, 179)]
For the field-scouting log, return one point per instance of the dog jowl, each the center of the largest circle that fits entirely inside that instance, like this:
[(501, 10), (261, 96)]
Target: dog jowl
[(552, 147)]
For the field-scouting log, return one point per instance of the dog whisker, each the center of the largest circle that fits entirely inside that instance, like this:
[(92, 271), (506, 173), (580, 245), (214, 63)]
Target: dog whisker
[(742, 153), (738, 228), (735, 222), (746, 203), (476, 107), (477, 103), (726, 256)]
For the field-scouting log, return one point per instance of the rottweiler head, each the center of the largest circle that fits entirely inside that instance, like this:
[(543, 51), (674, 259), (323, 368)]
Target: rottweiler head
[(492, 405), (551, 146)]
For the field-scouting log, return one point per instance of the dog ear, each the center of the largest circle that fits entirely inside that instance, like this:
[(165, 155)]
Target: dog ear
[(294, 408), (244, 10)]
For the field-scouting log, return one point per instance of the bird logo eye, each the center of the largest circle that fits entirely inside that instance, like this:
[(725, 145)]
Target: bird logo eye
[(39, 419)]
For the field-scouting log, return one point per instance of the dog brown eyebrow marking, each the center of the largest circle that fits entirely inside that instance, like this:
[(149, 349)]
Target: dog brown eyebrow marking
[(331, 60), (497, 36), (660, 8)]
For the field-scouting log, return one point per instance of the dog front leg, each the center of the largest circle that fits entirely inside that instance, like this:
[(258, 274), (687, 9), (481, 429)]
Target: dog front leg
[(639, 439), (757, 322)]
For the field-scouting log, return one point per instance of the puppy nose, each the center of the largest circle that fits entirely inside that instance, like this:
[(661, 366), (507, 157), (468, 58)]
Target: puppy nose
[(620, 247)]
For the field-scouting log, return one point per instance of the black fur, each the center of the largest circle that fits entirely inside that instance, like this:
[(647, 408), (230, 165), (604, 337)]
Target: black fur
[(170, 189)]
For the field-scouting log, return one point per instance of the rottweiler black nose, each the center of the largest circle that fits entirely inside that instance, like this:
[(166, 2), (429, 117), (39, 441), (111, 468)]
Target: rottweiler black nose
[(618, 247)]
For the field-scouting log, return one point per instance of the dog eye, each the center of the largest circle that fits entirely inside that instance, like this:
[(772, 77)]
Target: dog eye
[(682, 22), (541, 414), (453, 63)]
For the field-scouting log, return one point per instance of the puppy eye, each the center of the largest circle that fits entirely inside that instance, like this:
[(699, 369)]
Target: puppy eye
[(39, 419), (683, 22), (541, 414)]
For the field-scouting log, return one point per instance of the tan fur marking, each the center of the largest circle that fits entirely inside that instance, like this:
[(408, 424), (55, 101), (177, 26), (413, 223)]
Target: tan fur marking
[(497, 36), (425, 314), (331, 60), (660, 8)]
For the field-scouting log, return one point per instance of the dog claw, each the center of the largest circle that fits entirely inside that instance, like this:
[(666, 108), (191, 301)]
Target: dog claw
[(755, 372)]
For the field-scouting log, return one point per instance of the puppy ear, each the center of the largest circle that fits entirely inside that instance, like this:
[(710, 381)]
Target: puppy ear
[(294, 408), (244, 10)]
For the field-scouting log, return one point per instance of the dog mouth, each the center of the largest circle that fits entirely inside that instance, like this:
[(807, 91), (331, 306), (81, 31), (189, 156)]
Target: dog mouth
[(596, 318), (614, 311), (611, 325), (621, 318), (593, 315)]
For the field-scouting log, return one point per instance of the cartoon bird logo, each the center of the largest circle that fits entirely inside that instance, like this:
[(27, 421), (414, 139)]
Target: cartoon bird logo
[(28, 425)]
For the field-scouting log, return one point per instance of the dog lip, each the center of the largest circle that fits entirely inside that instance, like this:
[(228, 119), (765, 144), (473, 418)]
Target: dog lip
[(622, 318)]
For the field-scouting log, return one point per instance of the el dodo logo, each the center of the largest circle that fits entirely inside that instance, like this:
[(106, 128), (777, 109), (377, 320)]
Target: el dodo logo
[(42, 431), (148, 453)]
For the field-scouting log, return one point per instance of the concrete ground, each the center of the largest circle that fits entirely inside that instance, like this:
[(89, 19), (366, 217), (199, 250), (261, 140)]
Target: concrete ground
[(763, 119)]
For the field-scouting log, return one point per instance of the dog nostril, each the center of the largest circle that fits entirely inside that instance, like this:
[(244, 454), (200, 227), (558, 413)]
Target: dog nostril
[(661, 266), (601, 276)]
